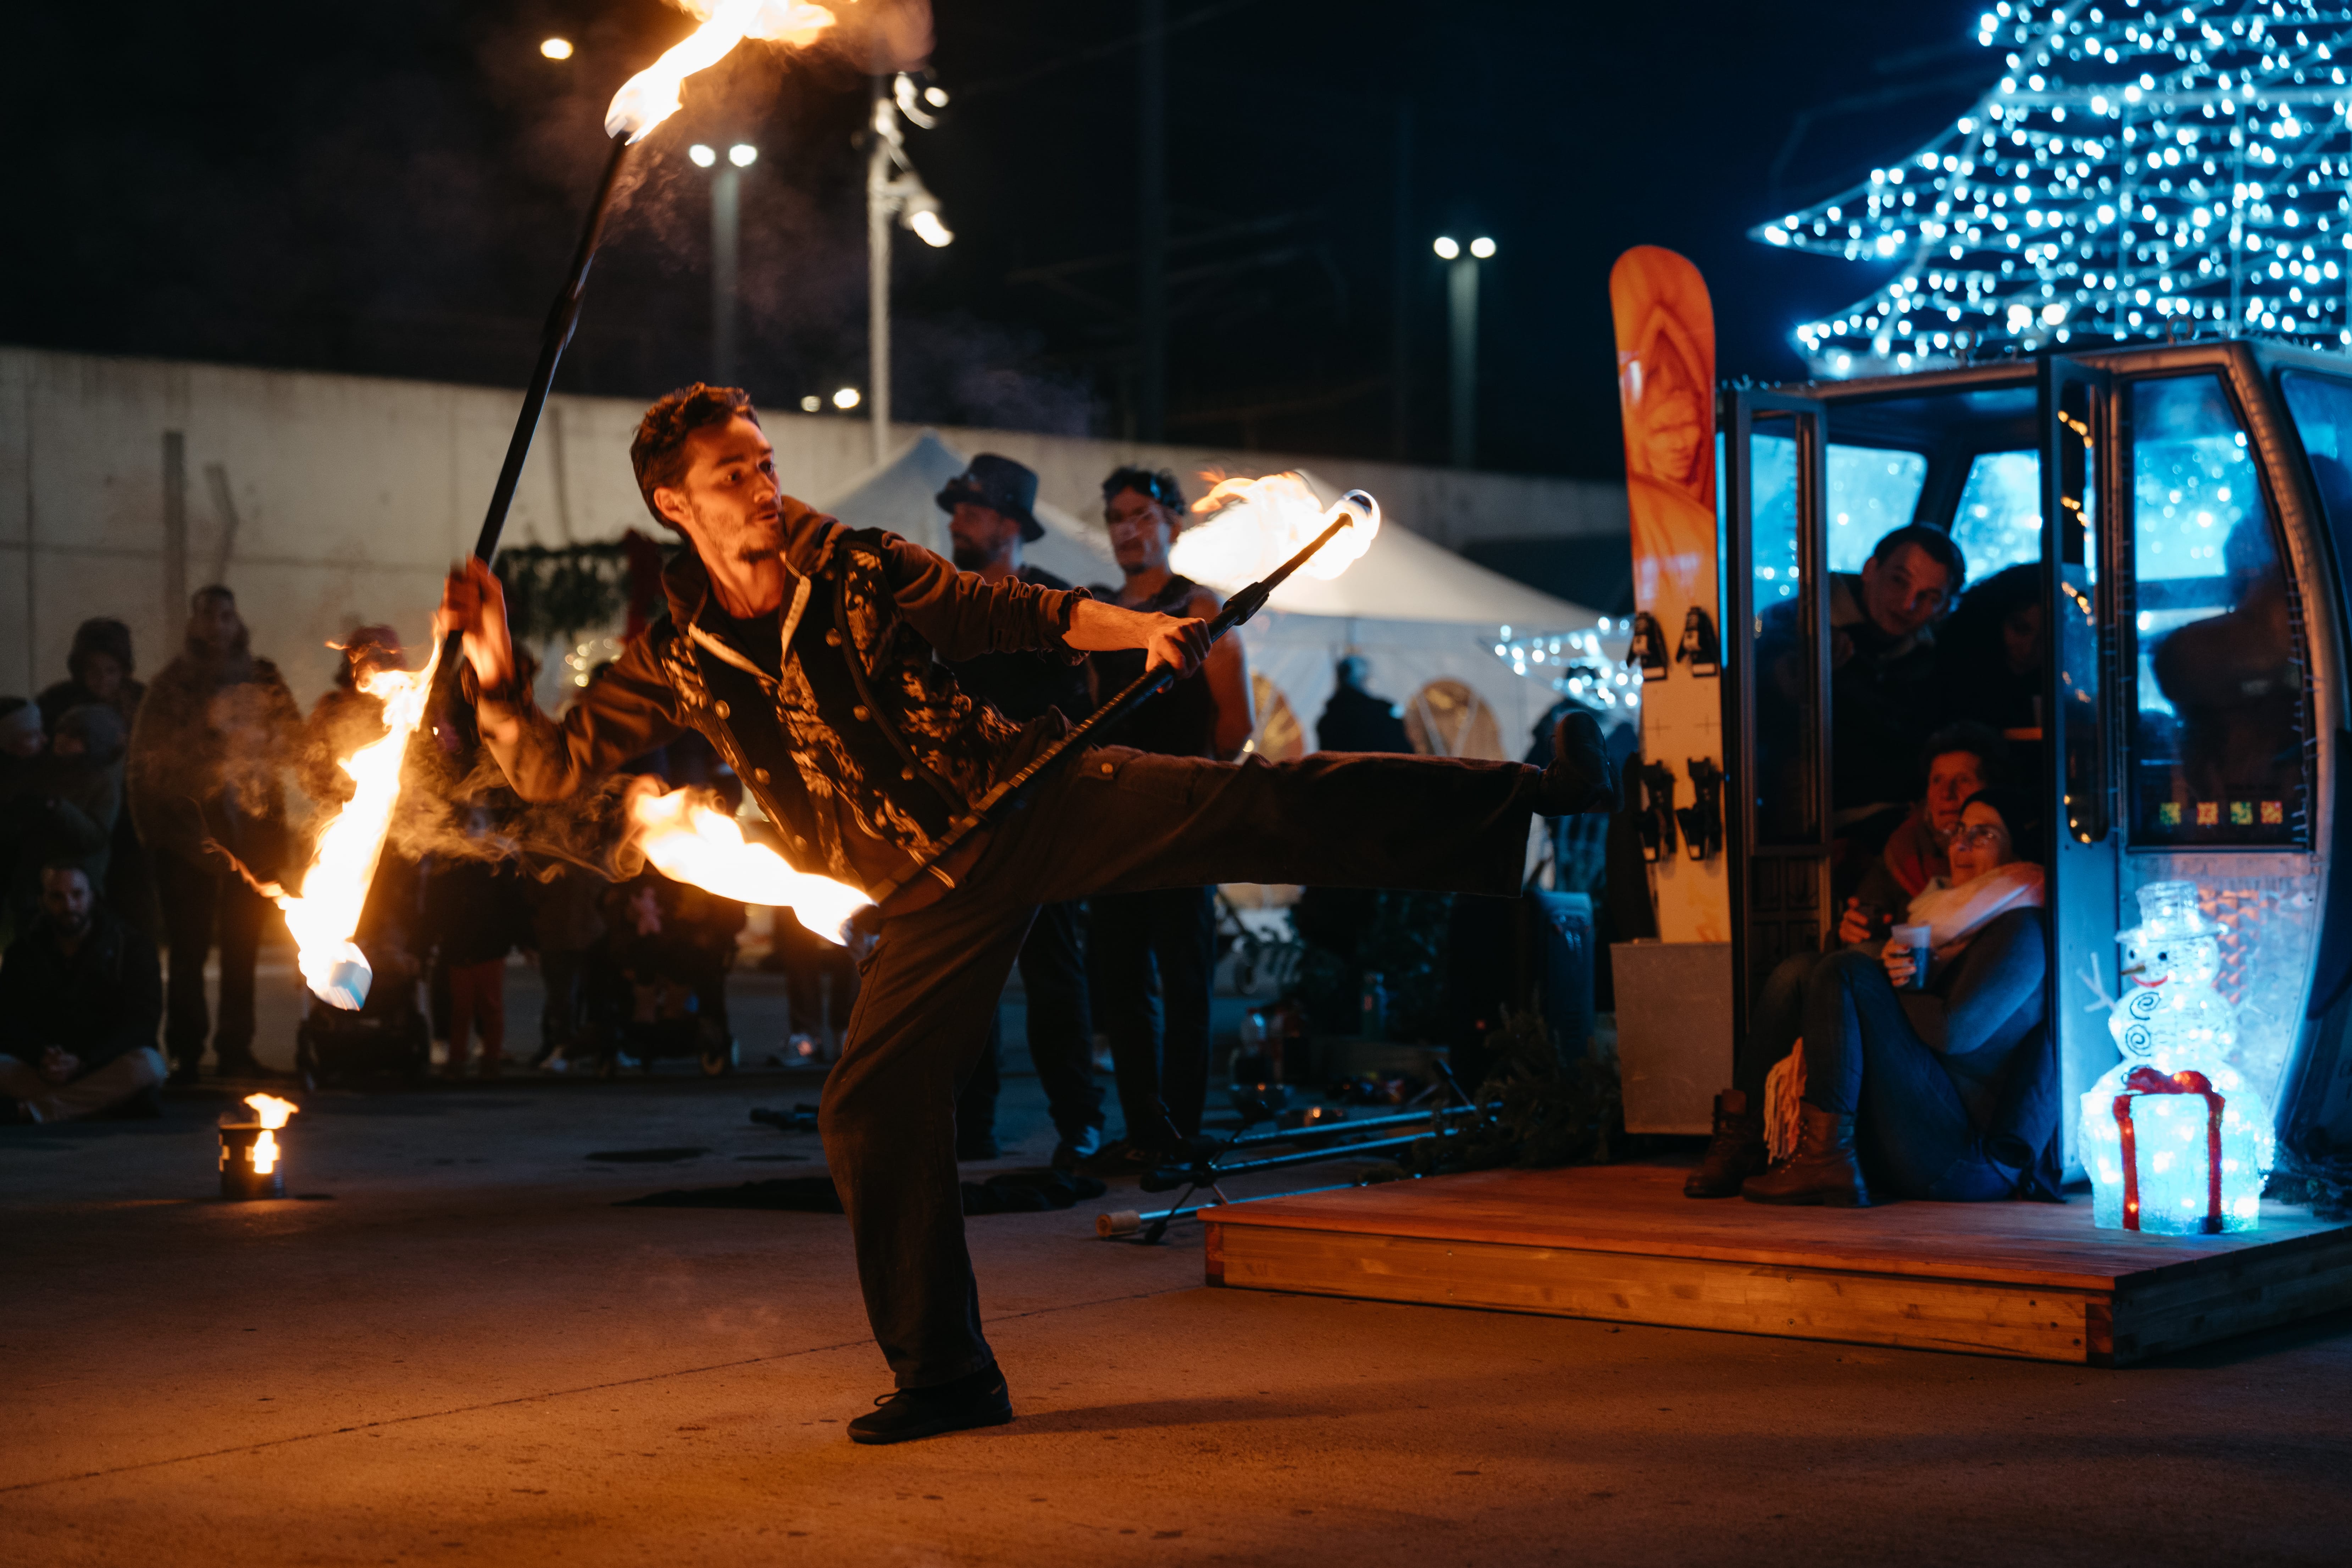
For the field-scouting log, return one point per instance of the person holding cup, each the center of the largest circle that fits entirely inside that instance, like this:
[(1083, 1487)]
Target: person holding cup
[(1928, 1064), (1923, 1047)]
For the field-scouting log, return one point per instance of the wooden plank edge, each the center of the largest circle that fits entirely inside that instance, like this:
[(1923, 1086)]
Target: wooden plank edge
[(2221, 1297), (2067, 1338)]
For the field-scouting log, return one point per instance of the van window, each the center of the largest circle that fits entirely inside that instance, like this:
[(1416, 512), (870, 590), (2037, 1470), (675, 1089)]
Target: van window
[(1999, 522), (1872, 490), (2219, 719)]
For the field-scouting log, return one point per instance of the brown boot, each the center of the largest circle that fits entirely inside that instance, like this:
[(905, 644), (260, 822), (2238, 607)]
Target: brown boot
[(1823, 1170), (1737, 1153)]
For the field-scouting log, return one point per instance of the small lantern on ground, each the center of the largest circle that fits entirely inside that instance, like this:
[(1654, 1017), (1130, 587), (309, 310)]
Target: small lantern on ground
[(252, 1161), (2175, 1138)]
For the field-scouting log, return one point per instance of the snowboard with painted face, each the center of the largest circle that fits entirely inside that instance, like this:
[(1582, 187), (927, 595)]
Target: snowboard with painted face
[(1666, 387)]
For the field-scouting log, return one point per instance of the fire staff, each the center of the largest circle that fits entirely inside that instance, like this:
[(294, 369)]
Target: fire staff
[(811, 656)]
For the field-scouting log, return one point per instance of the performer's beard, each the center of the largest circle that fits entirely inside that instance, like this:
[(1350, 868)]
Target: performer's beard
[(969, 557)]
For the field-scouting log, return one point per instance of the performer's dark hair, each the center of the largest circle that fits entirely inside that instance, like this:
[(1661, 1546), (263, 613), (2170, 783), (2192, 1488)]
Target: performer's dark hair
[(658, 452)]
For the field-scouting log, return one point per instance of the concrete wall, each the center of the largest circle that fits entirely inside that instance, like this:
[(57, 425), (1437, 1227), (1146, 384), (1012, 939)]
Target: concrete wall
[(351, 495)]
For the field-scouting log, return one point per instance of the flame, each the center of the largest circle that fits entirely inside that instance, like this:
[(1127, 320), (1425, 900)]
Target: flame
[(650, 96), (270, 1111), (1255, 525), (335, 887), (689, 842)]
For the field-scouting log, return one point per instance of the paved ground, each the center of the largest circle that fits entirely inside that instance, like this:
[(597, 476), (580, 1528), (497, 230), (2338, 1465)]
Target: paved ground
[(458, 1351)]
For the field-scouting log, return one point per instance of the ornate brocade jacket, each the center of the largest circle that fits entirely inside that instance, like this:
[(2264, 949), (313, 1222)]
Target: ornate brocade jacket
[(863, 734)]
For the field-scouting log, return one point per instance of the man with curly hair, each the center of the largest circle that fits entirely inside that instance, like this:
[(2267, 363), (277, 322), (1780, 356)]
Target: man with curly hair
[(815, 658)]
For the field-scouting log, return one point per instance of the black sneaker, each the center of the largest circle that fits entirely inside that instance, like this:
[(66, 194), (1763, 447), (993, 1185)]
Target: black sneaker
[(978, 1399)]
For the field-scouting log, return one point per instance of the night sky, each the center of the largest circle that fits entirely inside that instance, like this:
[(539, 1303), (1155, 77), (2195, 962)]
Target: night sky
[(394, 190)]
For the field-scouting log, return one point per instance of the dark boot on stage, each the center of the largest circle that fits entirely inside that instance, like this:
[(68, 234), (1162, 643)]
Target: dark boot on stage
[(1823, 1170), (1580, 778), (976, 1399), (1736, 1154)]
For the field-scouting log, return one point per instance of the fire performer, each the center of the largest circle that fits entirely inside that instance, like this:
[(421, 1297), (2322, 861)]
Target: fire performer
[(809, 654)]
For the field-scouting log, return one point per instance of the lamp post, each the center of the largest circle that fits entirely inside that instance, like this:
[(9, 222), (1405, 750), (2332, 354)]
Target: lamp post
[(895, 194), (726, 247), (1462, 310)]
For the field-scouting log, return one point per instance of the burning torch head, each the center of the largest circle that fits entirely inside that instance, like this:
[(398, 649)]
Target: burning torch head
[(651, 96)]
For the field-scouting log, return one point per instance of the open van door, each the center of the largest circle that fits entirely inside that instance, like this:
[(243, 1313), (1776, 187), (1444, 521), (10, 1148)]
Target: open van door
[(1776, 642), (2081, 513)]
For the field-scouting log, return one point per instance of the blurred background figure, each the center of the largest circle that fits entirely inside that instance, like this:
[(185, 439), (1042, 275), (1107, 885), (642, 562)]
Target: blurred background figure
[(214, 732), (1355, 720), (474, 916), (990, 517), (1154, 955), (38, 824), (566, 924), (98, 670)]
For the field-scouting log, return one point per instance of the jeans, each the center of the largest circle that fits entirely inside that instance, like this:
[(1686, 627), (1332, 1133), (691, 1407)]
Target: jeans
[(1864, 1059), (198, 904), (1061, 1034), (1110, 821), (1158, 1032), (98, 1090)]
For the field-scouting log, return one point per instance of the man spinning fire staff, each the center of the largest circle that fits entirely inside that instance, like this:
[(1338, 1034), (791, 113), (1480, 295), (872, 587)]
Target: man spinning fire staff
[(809, 654)]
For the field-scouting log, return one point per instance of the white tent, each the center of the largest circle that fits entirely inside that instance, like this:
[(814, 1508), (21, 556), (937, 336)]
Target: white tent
[(1420, 614)]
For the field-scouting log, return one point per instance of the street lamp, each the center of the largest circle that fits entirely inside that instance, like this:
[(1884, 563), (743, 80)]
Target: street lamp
[(726, 247), (1462, 300), (895, 194), (556, 48)]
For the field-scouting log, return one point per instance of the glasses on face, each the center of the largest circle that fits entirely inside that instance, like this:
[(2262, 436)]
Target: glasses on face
[(1980, 836), (1133, 523)]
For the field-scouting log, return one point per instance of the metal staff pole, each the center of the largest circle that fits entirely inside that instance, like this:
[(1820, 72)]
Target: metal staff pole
[(561, 320), (1248, 602)]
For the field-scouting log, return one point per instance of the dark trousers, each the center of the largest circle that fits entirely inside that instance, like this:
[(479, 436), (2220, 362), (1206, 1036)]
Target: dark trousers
[(1864, 1059), (200, 905), (1111, 821), (561, 971), (1775, 1022), (1155, 954), (1061, 1035)]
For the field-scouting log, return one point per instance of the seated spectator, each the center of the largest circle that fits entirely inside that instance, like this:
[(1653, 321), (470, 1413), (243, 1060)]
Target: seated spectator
[(82, 995), (1881, 696), (1942, 1086), (1989, 654), (1961, 759)]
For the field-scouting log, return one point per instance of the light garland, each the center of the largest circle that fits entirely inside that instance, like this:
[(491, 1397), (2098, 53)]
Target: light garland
[(1577, 665), (2140, 170)]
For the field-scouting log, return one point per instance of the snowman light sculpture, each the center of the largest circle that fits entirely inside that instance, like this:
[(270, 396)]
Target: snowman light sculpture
[(2177, 1142)]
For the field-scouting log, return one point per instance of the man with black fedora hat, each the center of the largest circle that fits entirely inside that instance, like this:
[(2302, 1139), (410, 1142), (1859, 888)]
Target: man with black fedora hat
[(991, 509)]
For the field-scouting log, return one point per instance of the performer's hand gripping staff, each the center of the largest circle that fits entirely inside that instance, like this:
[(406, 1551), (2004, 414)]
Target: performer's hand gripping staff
[(1355, 507)]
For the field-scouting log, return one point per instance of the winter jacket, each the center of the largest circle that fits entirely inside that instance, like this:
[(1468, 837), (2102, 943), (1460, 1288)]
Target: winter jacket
[(854, 738)]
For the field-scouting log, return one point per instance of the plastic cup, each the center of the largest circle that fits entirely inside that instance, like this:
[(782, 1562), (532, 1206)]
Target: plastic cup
[(1916, 938)]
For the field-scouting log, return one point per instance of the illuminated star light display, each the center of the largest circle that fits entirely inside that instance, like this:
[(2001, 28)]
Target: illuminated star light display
[(2139, 171)]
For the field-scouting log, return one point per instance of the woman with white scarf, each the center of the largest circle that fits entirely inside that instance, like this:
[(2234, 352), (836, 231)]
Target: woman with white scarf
[(1943, 1091)]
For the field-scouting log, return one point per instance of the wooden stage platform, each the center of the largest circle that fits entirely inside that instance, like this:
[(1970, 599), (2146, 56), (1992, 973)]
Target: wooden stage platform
[(1620, 1243)]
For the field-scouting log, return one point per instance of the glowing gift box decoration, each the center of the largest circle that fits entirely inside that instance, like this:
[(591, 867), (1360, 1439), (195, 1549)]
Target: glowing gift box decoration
[(2175, 1138), (252, 1162)]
